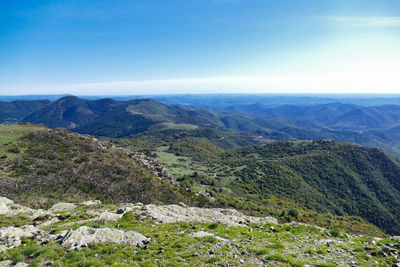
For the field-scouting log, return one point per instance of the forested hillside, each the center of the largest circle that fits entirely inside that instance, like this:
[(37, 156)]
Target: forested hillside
[(325, 176)]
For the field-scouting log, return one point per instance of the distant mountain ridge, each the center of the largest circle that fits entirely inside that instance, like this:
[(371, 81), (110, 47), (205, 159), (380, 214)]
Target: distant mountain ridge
[(125, 117), (17, 110), (377, 126)]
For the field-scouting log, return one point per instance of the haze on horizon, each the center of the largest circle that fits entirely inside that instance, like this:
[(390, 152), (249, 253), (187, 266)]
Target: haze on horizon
[(123, 47)]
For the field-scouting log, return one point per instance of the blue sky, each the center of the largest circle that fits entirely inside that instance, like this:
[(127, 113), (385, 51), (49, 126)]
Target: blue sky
[(200, 46)]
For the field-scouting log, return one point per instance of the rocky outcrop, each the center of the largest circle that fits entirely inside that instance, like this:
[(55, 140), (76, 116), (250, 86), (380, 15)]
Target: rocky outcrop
[(248, 245), (151, 164), (87, 235), (11, 236), (145, 161), (11, 264), (176, 213), (8, 208)]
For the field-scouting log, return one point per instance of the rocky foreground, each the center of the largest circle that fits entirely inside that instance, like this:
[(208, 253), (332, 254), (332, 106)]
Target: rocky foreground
[(94, 234)]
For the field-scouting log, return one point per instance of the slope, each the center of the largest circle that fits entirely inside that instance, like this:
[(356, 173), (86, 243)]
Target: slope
[(52, 165)]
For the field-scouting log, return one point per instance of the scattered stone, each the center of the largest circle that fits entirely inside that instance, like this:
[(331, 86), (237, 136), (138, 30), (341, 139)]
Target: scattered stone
[(91, 203), (126, 209), (182, 204), (59, 207), (204, 234), (49, 222), (10, 237), (86, 235)]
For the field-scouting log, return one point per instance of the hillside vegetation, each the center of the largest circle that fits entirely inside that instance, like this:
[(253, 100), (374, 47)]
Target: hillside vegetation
[(325, 176), (41, 166)]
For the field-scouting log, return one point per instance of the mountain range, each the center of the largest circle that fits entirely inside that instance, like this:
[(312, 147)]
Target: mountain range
[(377, 126)]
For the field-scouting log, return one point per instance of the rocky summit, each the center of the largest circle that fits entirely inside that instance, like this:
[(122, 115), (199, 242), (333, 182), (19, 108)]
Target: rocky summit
[(134, 234)]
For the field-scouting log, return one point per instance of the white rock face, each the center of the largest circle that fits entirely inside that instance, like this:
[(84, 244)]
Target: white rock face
[(9, 209), (10, 263), (6, 201), (86, 235), (175, 213), (11, 236), (5, 263), (59, 207), (109, 217), (4, 209)]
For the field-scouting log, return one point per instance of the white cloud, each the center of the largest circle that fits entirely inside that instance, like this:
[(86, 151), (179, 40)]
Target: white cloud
[(369, 81), (373, 74), (364, 21)]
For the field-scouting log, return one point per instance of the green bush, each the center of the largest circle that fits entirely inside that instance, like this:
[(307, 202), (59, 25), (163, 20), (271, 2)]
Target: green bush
[(334, 232), (14, 149), (294, 213)]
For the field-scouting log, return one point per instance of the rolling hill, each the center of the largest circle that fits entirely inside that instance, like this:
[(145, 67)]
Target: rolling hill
[(41, 166)]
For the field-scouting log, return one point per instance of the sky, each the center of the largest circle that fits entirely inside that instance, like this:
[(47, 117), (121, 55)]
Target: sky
[(129, 47)]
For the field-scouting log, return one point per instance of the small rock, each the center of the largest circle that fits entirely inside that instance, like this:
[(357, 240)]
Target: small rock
[(204, 234), (59, 207), (126, 209), (86, 235), (91, 203), (109, 217), (6, 263)]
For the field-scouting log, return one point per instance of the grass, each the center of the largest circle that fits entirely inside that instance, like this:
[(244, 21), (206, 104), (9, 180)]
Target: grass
[(177, 165), (10, 135), (179, 126)]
